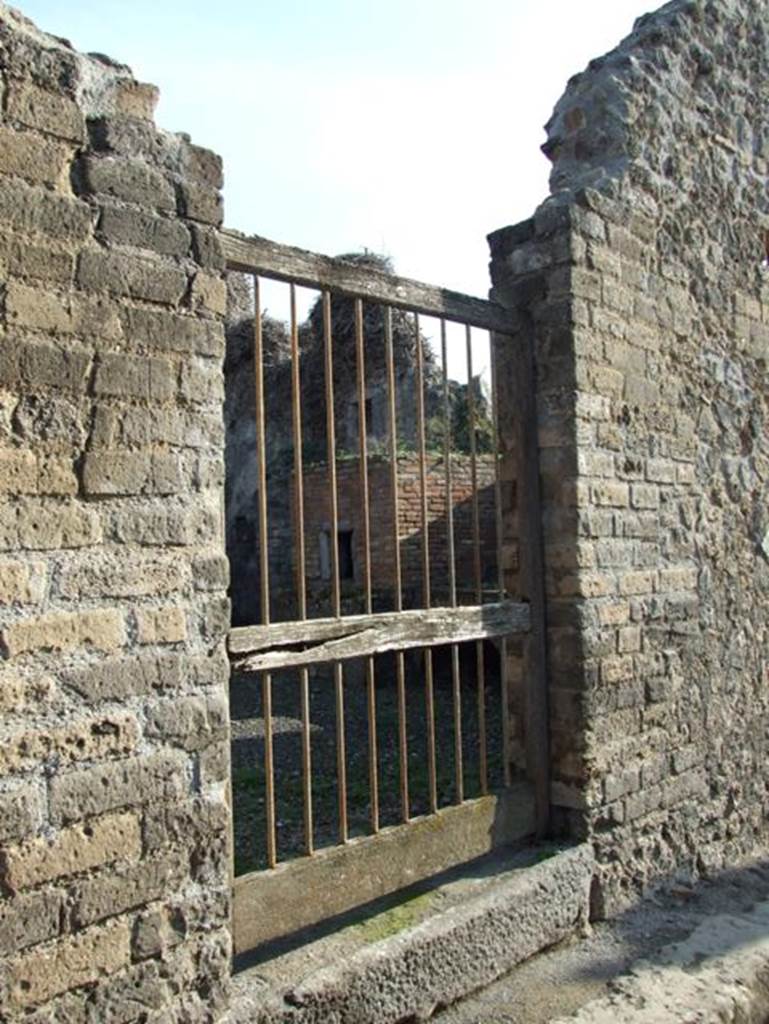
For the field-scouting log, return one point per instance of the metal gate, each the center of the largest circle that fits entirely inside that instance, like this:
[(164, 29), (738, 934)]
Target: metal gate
[(375, 504)]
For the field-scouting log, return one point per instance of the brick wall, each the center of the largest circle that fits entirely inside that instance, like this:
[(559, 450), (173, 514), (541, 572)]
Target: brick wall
[(317, 520), (642, 283), (113, 718)]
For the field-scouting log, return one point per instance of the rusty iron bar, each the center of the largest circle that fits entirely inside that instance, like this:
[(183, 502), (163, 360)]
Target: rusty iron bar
[(456, 679), (301, 588), (503, 666), (336, 602), (400, 668), (264, 570), (360, 368), (426, 590), (480, 659)]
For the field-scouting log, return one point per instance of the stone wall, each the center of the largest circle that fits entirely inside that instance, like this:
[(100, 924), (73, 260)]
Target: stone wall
[(113, 719), (643, 285)]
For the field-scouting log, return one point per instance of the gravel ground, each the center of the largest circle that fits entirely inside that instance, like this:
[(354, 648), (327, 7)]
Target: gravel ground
[(248, 749)]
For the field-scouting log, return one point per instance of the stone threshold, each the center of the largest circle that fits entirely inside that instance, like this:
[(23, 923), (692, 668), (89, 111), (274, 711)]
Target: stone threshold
[(415, 954)]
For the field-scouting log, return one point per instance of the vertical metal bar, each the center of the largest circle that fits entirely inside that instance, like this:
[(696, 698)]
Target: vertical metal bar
[(400, 669), (301, 588), (503, 667), (336, 602), (264, 571), (480, 662), (367, 582), (456, 681), (426, 592)]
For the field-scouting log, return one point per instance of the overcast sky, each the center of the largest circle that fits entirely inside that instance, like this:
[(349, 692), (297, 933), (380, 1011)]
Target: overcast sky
[(409, 126)]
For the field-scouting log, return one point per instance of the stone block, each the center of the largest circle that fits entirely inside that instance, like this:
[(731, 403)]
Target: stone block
[(661, 471), (644, 496), (30, 307), (119, 472), (74, 850), (125, 376), (36, 365), (202, 204), (207, 247), (28, 919), (587, 584), (22, 582), (21, 812), (201, 383), (102, 630), (164, 331), (135, 99), (18, 471), (614, 613), (129, 996), (122, 678), (678, 578), (616, 669), (36, 309), (56, 476), (629, 640), (156, 931), (48, 970), (12, 692), (37, 260), (119, 274), (126, 886), (131, 180), (161, 625), (108, 575), (611, 493), (122, 225), (202, 165), (131, 783), (639, 582), (211, 572), (153, 523), (190, 722), (47, 111), (43, 526), (209, 293), (54, 741), (29, 209), (27, 155), (201, 822)]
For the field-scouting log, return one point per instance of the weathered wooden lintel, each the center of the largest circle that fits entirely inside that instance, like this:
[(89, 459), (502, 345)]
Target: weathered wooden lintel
[(256, 255), (299, 893), (258, 648)]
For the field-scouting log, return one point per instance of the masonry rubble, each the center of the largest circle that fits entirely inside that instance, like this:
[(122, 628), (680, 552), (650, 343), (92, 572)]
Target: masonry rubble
[(641, 284)]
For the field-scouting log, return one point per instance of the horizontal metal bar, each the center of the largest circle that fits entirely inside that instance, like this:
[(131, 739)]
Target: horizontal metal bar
[(296, 894), (255, 255), (258, 648)]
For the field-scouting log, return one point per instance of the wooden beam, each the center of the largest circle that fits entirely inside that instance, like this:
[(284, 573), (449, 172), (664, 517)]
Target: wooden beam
[(299, 893), (519, 419), (258, 648), (255, 255)]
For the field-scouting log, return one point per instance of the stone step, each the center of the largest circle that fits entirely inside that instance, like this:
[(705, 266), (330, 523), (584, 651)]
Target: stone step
[(437, 943)]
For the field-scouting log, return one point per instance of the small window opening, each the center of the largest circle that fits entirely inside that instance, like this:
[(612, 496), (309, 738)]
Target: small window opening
[(369, 417), (346, 562)]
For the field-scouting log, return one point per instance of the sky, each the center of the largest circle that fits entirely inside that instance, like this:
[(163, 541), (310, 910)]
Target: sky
[(409, 127)]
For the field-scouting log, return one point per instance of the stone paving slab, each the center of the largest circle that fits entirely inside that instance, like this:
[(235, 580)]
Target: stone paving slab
[(691, 952)]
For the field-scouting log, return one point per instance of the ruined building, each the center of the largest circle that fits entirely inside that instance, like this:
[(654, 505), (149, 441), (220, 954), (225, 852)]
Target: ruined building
[(630, 318)]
